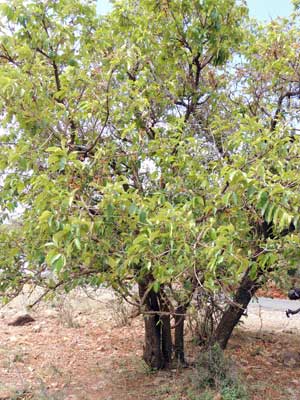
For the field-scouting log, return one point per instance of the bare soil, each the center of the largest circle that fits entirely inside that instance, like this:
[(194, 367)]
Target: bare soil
[(88, 349)]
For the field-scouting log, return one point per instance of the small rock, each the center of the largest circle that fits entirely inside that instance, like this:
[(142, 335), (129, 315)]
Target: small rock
[(291, 358), (22, 320), (50, 313), (36, 328)]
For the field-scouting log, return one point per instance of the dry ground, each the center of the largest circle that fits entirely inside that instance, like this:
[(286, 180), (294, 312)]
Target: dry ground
[(77, 350)]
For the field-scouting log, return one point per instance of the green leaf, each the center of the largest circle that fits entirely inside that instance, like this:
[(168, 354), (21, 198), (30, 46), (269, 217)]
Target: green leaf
[(143, 217), (77, 243), (270, 212), (44, 217), (57, 262), (156, 286), (262, 199), (264, 207)]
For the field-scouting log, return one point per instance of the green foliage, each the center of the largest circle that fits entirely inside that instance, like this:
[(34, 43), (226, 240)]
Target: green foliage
[(215, 371), (140, 145), (212, 368)]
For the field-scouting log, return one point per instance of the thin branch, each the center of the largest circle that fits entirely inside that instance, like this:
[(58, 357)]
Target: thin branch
[(47, 291), (282, 97), (94, 144)]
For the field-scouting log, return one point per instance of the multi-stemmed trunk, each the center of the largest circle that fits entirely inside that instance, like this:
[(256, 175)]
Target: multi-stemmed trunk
[(158, 346), (158, 343)]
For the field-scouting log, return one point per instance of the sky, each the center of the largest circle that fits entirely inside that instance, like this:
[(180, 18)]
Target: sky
[(267, 9), (261, 9), (103, 6)]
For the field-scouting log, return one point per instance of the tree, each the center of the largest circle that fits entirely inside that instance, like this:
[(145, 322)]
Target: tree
[(142, 152)]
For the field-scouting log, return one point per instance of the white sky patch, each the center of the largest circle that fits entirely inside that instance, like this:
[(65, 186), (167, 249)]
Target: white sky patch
[(148, 167)]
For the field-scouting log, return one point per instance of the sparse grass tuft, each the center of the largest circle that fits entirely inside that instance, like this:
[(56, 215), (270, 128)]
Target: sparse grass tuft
[(121, 312), (43, 393), (66, 311), (215, 371)]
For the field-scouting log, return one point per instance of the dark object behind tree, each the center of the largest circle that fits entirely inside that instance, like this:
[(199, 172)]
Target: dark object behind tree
[(293, 294)]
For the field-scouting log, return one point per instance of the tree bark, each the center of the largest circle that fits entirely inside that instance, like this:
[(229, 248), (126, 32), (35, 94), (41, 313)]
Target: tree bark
[(166, 340), (179, 335), (152, 354), (166, 337), (158, 341), (246, 290), (233, 313)]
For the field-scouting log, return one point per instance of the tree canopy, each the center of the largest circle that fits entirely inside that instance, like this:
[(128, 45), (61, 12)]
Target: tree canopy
[(156, 146)]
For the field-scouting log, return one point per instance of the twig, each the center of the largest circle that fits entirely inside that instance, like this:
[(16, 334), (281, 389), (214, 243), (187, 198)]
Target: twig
[(93, 145)]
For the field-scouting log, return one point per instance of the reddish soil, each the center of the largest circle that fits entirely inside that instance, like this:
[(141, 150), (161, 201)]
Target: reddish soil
[(272, 291), (97, 361)]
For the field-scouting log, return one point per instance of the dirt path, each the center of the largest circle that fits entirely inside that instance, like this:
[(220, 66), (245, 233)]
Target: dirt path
[(78, 350), (269, 315)]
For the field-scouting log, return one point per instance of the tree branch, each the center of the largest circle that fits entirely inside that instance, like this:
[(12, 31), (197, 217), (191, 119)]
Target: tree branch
[(288, 94)]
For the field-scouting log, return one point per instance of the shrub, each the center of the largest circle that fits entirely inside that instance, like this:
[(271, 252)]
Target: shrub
[(216, 371)]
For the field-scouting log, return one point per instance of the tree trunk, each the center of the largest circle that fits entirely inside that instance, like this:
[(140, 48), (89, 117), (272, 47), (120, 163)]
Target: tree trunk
[(166, 337), (246, 290), (152, 348), (179, 335), (158, 341), (166, 340), (232, 315)]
